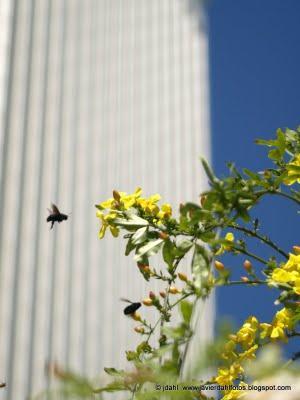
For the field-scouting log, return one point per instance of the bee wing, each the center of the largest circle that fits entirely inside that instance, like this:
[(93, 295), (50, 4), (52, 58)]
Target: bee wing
[(126, 300), (55, 210)]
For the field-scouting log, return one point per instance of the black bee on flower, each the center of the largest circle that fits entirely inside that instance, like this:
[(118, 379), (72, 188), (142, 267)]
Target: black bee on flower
[(56, 215), (131, 309)]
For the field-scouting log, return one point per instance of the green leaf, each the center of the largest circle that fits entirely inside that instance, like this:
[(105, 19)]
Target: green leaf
[(208, 171), (263, 142), (252, 175), (140, 235), (114, 372), (132, 221), (275, 154), (149, 249), (143, 347), (169, 252), (114, 386), (174, 333), (186, 309), (129, 247), (184, 246), (291, 135), (131, 355), (200, 268)]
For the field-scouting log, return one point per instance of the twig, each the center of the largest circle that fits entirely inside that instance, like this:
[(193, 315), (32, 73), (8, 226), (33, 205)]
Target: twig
[(264, 239)]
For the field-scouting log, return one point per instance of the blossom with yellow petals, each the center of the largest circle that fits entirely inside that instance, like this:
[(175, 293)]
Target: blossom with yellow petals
[(149, 204), (165, 211), (227, 246), (246, 335), (226, 376), (249, 354), (276, 330), (107, 222), (293, 173)]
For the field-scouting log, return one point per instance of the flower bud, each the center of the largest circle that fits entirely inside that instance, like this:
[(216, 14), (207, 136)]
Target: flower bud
[(116, 196), (174, 290), (139, 329), (163, 235), (296, 250), (152, 295), (244, 278), (219, 266), (247, 265), (182, 277), (163, 294), (136, 316), (202, 200), (144, 268), (147, 302)]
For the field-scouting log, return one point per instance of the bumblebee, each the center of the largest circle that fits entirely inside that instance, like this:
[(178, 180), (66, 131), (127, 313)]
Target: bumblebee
[(56, 215)]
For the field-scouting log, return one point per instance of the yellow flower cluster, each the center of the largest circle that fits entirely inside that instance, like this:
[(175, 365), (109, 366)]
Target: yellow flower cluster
[(244, 344), (226, 376), (293, 174), (276, 330), (289, 273), (110, 209), (240, 347)]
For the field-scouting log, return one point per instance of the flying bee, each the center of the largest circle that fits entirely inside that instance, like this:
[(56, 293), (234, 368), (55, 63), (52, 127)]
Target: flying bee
[(55, 215), (131, 309)]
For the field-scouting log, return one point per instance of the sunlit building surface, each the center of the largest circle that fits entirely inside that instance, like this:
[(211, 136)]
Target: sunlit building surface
[(95, 95)]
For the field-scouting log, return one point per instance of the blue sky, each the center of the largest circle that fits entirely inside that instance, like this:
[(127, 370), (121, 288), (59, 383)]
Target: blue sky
[(255, 88)]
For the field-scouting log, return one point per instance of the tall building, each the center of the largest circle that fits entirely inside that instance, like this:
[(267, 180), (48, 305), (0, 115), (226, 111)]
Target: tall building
[(95, 95)]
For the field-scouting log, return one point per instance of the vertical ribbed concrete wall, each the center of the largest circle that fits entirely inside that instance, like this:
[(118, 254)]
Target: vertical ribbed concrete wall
[(95, 95)]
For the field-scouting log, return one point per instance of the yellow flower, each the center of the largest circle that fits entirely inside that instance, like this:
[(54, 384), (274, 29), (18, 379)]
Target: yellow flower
[(285, 317), (277, 333), (227, 246), (107, 204), (129, 200), (265, 330), (121, 200), (293, 263), (227, 375), (165, 211), (107, 222), (149, 205), (289, 273), (283, 320), (281, 275), (229, 350), (246, 335), (293, 174), (249, 354), (296, 288)]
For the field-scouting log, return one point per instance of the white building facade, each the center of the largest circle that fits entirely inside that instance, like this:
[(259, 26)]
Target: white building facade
[(95, 95)]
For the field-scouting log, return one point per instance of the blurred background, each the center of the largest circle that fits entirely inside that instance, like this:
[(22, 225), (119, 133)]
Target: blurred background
[(95, 95), (98, 95)]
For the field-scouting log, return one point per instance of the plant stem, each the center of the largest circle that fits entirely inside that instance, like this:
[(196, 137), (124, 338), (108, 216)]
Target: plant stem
[(278, 193), (257, 282), (185, 352), (264, 239), (252, 255)]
